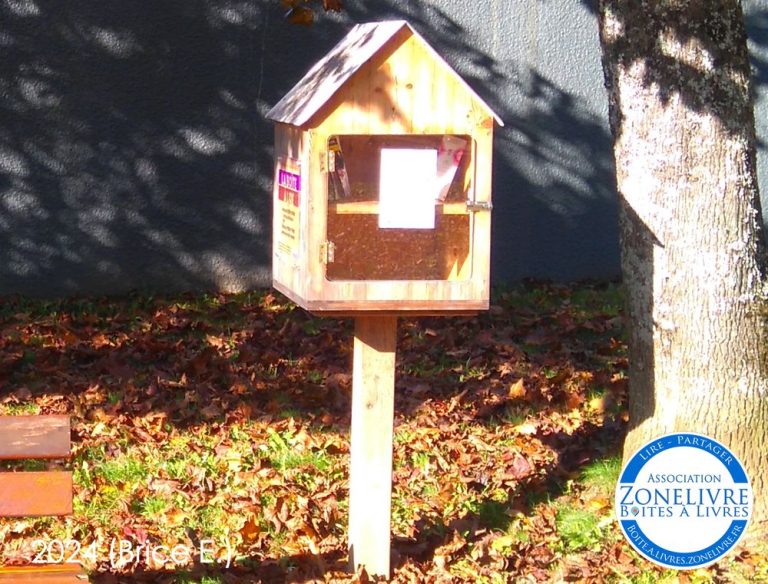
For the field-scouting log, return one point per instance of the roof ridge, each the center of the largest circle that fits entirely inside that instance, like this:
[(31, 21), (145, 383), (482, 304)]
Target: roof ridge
[(330, 73)]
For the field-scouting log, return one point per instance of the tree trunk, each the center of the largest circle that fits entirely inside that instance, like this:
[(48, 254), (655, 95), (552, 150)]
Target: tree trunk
[(677, 74)]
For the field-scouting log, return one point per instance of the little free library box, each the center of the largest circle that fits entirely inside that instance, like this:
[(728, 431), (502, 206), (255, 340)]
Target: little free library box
[(382, 207), (382, 191)]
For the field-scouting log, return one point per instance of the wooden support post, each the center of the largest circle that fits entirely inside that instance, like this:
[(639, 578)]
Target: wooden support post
[(370, 480)]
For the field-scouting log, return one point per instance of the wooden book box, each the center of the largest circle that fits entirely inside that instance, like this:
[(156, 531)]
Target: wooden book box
[(382, 193)]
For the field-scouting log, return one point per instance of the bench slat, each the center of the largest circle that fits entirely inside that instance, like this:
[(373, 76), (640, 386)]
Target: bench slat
[(34, 437), (33, 494), (48, 574)]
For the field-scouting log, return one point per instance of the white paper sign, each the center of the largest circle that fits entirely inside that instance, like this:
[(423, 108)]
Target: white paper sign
[(407, 188)]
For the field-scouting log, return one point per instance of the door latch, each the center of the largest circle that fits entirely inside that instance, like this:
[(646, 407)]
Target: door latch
[(475, 206)]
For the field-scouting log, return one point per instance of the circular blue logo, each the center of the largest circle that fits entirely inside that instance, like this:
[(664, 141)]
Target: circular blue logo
[(683, 501)]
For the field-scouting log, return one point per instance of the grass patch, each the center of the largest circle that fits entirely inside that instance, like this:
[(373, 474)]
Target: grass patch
[(578, 529), (124, 471), (493, 514), (102, 505), (602, 475), (211, 521), (21, 409), (284, 455), (607, 300)]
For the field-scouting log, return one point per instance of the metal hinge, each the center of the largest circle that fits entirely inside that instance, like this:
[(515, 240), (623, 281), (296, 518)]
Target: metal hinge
[(327, 252), (327, 161), (474, 206)]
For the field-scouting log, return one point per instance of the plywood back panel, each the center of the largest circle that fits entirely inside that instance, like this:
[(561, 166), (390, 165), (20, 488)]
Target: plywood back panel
[(364, 252)]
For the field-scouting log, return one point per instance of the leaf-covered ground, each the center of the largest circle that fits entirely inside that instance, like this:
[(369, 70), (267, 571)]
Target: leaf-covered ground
[(221, 423)]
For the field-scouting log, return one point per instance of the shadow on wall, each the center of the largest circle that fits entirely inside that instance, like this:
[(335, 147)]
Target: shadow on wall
[(757, 29), (130, 155), (134, 153), (556, 213)]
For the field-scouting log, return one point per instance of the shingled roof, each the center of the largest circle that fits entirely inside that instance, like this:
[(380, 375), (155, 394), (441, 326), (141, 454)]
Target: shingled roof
[(330, 73)]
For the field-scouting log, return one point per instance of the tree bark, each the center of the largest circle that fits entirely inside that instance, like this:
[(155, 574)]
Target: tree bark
[(677, 74)]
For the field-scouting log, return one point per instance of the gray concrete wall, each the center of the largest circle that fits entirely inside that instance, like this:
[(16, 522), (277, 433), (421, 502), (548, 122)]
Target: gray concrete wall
[(756, 17), (134, 153)]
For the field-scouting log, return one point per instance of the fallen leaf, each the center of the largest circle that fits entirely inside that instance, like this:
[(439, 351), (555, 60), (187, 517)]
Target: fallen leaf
[(300, 15), (597, 404), (333, 5), (250, 531), (517, 390), (599, 503), (526, 428), (519, 469)]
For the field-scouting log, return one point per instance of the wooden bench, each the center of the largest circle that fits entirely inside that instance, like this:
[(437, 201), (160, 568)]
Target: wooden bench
[(35, 494)]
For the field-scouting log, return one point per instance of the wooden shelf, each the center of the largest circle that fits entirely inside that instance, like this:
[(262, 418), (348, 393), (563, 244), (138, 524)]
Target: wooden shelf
[(372, 208)]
